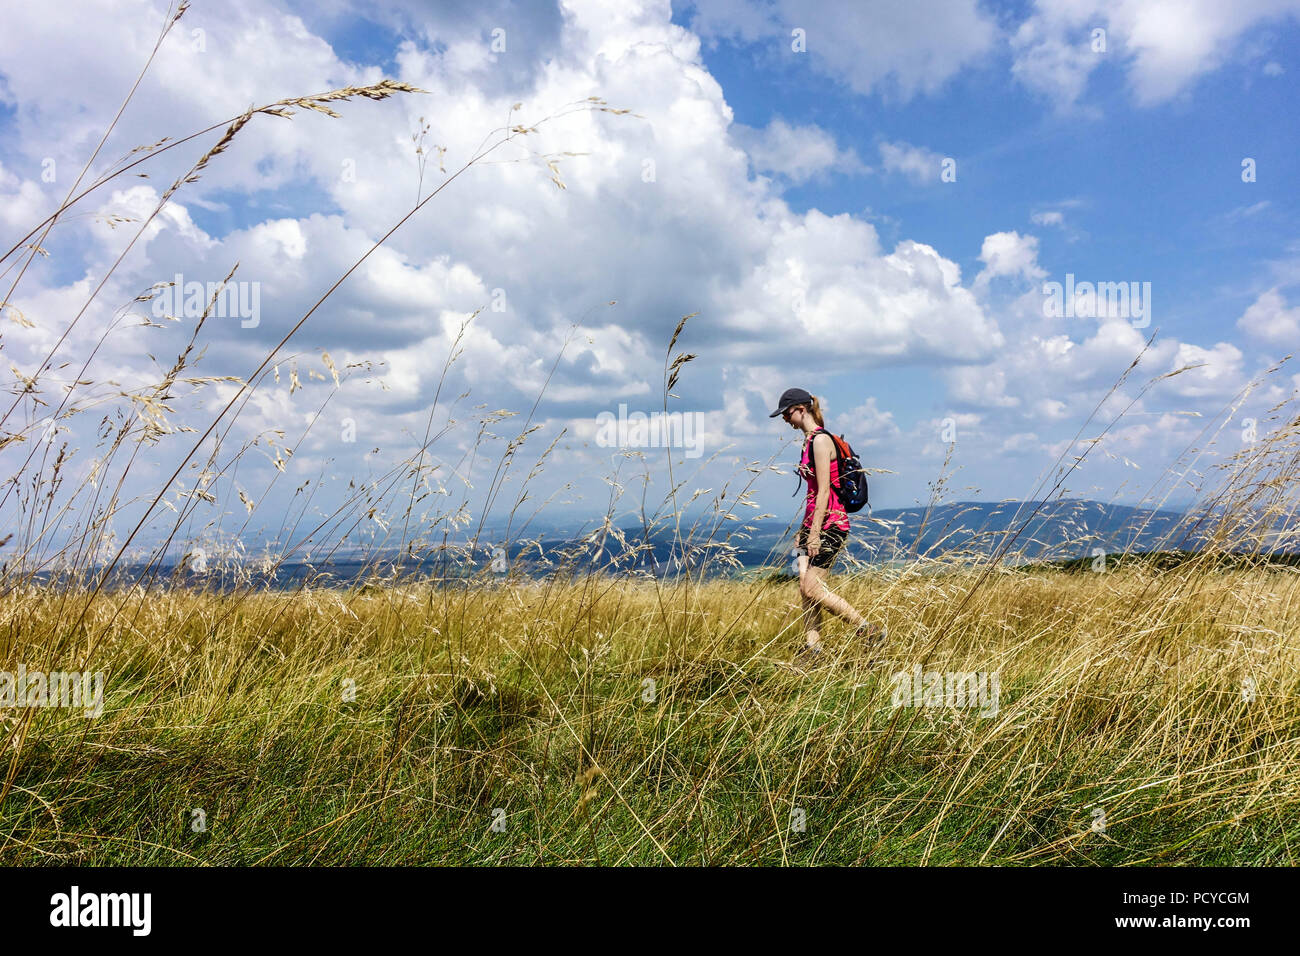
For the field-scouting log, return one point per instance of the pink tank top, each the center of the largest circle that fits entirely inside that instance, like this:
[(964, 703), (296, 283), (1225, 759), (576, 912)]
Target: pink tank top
[(836, 516)]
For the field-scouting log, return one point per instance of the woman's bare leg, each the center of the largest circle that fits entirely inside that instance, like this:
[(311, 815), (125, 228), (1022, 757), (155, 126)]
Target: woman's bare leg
[(813, 590), (812, 621), (812, 612)]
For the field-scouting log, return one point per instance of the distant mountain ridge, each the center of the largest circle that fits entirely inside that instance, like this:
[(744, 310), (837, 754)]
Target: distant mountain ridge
[(1016, 531), (1031, 530)]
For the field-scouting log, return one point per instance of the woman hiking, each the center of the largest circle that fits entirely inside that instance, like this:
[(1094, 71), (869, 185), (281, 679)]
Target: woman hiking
[(825, 523)]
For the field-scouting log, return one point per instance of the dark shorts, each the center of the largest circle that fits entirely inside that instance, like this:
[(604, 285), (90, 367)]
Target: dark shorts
[(832, 542)]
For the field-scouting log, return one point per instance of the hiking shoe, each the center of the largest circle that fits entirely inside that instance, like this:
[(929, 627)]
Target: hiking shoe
[(810, 656), (871, 633)]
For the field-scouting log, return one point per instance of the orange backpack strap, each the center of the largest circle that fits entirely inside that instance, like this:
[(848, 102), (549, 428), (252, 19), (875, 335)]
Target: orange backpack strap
[(842, 449)]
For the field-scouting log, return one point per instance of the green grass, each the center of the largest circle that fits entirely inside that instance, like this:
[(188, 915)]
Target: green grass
[(529, 700)]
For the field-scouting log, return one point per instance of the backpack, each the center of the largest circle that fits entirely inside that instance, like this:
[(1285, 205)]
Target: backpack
[(851, 486)]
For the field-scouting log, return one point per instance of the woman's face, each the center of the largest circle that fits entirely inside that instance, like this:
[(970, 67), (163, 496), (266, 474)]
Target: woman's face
[(794, 416)]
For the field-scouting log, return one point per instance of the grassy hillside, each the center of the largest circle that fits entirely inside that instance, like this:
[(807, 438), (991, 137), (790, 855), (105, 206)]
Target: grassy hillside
[(1144, 716)]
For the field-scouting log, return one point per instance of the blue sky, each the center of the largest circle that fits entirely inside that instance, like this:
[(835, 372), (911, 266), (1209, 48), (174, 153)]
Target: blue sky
[(777, 176)]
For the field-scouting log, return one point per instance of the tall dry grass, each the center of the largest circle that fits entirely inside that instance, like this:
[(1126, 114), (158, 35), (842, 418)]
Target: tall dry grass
[(1145, 714), (623, 722)]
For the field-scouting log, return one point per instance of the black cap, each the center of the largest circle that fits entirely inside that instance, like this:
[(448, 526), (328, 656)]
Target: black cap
[(791, 396)]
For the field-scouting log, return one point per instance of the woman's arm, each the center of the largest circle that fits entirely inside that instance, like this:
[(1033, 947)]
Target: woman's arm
[(822, 466)]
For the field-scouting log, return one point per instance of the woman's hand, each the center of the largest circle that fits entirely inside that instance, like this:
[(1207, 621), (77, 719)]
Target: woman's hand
[(814, 543)]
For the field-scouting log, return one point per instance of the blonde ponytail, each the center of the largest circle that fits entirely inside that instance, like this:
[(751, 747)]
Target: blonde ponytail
[(816, 410)]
